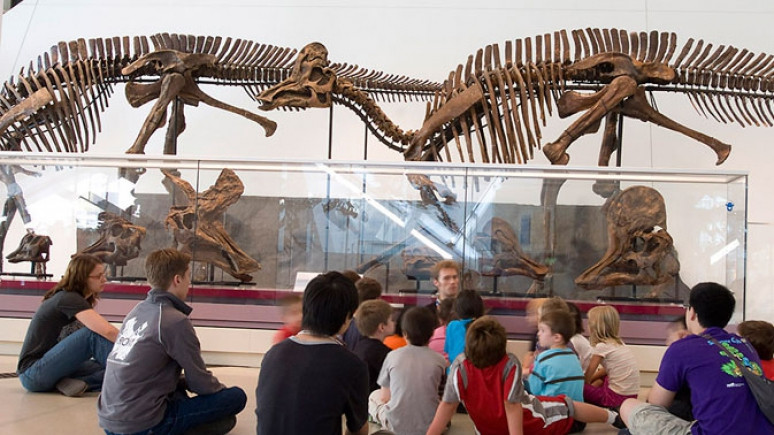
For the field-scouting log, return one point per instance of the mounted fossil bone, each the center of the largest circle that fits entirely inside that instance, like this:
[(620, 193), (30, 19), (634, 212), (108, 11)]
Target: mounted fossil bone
[(492, 107), (119, 241), (177, 73), (54, 104), (198, 226), (35, 249), (509, 258), (640, 251)]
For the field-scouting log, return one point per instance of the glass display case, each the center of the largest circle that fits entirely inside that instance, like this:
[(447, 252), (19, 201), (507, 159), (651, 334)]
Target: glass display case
[(637, 239)]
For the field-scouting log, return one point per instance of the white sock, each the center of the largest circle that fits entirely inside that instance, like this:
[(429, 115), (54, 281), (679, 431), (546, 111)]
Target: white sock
[(611, 415)]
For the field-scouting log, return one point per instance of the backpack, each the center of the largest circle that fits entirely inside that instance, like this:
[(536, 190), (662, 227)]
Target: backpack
[(761, 387)]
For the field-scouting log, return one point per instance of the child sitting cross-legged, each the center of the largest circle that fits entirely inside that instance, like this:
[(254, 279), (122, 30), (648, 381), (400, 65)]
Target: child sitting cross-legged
[(612, 375), (409, 379), (557, 369), (487, 380), (374, 321)]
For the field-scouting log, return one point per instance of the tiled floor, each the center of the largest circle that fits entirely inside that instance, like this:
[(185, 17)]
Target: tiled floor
[(37, 413)]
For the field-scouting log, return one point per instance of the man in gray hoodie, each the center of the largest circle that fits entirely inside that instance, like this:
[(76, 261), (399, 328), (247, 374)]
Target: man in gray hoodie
[(143, 388)]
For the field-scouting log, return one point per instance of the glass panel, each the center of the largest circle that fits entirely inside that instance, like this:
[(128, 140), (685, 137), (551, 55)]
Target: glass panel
[(259, 229)]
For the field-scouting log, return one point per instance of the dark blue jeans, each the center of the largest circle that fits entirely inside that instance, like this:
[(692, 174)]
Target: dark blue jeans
[(184, 413), (82, 355)]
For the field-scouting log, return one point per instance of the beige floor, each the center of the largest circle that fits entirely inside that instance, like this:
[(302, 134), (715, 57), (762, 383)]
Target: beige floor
[(38, 413)]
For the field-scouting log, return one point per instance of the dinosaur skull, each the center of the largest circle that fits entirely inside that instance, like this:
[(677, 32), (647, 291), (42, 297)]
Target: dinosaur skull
[(310, 83), (509, 258), (605, 67), (640, 249), (119, 240)]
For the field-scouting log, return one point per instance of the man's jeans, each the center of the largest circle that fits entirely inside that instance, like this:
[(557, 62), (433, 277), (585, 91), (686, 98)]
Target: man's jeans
[(81, 355), (184, 413)]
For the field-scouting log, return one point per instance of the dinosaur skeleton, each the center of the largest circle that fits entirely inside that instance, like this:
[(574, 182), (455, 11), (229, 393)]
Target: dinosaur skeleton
[(494, 105), (55, 104)]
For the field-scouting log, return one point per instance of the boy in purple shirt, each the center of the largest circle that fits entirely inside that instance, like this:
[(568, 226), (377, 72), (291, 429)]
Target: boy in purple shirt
[(722, 401)]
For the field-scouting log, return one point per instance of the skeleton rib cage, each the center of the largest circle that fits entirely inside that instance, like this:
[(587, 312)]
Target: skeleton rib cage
[(55, 105), (523, 82), (75, 81)]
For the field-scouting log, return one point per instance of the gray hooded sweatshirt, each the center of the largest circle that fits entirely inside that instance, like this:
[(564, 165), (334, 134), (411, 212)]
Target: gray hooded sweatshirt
[(157, 342)]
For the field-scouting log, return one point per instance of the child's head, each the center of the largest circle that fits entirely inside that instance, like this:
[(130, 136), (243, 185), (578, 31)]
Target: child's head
[(533, 308), (469, 305), (330, 300), (446, 311), (555, 329), (761, 335), (485, 342), (418, 325), (351, 275), (552, 304), (713, 304), (397, 316), (290, 310), (368, 289), (676, 329), (576, 317), (373, 314), (604, 325)]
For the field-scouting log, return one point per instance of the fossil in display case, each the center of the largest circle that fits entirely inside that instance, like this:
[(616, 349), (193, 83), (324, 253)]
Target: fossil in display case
[(418, 261), (34, 248), (640, 250), (508, 258), (198, 226), (119, 241), (14, 202)]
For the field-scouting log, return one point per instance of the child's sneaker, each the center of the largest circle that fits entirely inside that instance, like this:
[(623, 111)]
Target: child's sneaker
[(72, 387)]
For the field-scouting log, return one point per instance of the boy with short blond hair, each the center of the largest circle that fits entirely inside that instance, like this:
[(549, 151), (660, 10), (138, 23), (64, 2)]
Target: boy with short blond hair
[(374, 321), (410, 378), (487, 380)]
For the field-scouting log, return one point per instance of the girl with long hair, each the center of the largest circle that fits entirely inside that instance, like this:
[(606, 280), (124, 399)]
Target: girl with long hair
[(76, 362), (612, 375)]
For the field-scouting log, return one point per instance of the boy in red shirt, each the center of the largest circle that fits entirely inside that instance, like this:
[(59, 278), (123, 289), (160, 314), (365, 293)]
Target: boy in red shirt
[(488, 382)]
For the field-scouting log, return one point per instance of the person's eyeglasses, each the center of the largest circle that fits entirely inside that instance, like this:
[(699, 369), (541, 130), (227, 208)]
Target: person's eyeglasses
[(100, 276)]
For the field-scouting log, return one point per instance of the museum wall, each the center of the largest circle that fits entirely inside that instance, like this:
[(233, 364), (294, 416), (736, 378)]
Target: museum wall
[(424, 39)]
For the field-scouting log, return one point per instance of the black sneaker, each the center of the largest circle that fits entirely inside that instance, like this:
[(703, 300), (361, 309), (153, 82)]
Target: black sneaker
[(217, 427), (71, 387)]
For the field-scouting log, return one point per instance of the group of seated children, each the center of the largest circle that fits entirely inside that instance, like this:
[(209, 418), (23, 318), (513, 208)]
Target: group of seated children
[(404, 383), (566, 380)]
